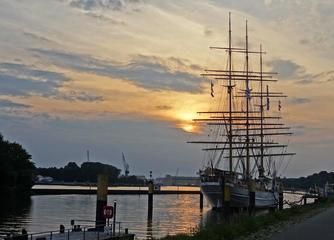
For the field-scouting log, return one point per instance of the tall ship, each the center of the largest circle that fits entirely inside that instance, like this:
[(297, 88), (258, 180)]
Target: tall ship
[(244, 143)]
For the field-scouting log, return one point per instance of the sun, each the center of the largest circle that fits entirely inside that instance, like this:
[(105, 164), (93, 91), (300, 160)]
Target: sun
[(188, 128)]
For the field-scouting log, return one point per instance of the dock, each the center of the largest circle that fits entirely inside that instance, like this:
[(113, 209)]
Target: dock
[(77, 232), (62, 190), (84, 233)]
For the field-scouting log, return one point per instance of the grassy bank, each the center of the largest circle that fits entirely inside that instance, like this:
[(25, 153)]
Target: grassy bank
[(244, 225)]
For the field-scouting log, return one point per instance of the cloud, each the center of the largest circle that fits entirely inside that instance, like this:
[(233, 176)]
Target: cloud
[(9, 104), (36, 36), (105, 18), (17, 79), (325, 9), (304, 41), (146, 71), (208, 32), (73, 96), (287, 69), (296, 100), (115, 5), (290, 70), (163, 107), (327, 76)]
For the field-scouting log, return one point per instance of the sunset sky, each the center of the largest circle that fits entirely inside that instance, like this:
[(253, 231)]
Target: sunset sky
[(117, 76)]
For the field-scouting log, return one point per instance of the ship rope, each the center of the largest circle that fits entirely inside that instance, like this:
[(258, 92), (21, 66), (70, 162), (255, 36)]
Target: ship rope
[(290, 203)]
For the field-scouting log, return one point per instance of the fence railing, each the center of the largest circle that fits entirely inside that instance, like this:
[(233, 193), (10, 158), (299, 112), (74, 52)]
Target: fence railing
[(76, 232)]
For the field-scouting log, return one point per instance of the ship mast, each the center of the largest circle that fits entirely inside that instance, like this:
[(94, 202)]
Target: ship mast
[(230, 88), (239, 123), (247, 106), (261, 168)]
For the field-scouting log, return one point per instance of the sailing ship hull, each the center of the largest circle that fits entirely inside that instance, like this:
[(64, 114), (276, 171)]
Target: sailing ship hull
[(239, 196)]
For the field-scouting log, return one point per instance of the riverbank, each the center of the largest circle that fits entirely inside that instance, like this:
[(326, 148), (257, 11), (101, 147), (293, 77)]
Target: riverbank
[(258, 227)]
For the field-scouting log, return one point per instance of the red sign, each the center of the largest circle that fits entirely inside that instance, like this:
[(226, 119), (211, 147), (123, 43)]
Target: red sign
[(108, 211)]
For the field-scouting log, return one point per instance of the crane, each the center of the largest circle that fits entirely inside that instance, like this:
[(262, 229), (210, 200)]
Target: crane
[(125, 165)]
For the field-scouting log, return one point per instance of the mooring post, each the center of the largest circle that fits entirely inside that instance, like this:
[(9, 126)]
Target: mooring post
[(200, 200), (222, 187), (305, 199), (280, 200), (227, 199), (150, 199), (251, 190), (114, 219), (102, 197)]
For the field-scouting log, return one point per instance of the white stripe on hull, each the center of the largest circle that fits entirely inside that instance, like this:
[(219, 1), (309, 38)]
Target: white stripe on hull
[(239, 196)]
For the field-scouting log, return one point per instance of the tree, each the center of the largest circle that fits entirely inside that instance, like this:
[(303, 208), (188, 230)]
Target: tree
[(16, 169), (87, 172)]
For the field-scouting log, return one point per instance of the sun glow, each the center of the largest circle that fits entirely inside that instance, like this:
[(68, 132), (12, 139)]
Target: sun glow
[(185, 121), (187, 116), (188, 128)]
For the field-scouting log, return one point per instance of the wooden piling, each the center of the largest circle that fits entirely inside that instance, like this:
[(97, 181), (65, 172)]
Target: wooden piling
[(227, 200), (102, 197), (280, 200), (222, 186), (251, 191), (201, 200), (150, 198), (114, 219)]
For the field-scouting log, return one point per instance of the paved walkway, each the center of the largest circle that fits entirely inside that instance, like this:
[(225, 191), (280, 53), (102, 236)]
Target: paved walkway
[(318, 227)]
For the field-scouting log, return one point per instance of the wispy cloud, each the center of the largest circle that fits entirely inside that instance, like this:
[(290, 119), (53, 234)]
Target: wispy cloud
[(74, 96), (290, 70), (287, 69), (116, 5), (297, 100), (146, 71), (17, 79), (105, 18), (10, 104), (37, 37), (163, 107)]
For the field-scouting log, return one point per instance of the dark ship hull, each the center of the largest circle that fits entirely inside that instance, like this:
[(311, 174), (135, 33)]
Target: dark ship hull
[(239, 196)]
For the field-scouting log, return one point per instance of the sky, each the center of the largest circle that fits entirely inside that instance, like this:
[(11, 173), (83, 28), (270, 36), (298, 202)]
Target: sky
[(113, 76)]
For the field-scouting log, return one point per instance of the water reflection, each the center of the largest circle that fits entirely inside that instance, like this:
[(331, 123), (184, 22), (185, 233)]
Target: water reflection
[(172, 214), (14, 214), (149, 229)]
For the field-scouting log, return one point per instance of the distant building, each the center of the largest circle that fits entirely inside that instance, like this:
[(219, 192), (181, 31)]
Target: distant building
[(169, 180), (43, 179), (141, 177)]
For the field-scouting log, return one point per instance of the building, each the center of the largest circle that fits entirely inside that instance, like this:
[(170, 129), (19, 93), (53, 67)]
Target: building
[(169, 180)]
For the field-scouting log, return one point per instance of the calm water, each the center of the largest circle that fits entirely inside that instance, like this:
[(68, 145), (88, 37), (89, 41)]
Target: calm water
[(172, 213)]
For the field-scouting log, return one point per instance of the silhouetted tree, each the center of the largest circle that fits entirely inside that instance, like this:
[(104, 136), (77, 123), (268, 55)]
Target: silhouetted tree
[(316, 179), (87, 172), (16, 169)]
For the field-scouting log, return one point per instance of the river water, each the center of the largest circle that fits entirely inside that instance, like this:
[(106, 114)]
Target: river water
[(172, 214)]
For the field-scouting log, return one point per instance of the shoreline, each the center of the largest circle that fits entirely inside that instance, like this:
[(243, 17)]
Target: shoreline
[(259, 227)]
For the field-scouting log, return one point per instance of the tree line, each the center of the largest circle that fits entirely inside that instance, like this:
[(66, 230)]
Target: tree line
[(305, 183), (87, 173)]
